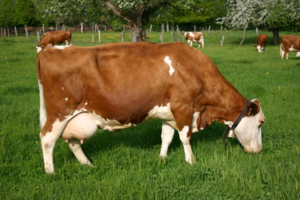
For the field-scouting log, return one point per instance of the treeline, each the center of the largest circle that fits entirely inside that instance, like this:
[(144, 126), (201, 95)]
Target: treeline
[(58, 13)]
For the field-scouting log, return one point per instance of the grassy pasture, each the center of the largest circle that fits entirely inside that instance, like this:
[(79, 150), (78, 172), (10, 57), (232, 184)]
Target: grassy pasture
[(126, 164)]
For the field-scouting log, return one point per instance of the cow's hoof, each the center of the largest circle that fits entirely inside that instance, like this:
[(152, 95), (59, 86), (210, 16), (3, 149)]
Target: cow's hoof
[(162, 159)]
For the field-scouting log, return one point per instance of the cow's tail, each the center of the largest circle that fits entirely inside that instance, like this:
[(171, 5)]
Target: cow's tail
[(43, 112)]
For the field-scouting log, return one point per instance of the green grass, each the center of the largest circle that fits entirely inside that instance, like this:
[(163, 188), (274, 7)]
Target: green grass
[(126, 164)]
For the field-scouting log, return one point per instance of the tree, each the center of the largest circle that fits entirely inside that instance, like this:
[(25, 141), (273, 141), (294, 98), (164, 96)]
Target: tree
[(6, 10), (274, 14), (62, 12), (135, 12)]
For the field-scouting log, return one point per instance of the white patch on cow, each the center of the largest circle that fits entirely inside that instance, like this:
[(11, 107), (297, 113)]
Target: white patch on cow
[(259, 48), (66, 99), (86, 103), (43, 113), (192, 34), (169, 62), (61, 47), (194, 122), (38, 49), (62, 88), (298, 54), (161, 112), (292, 48)]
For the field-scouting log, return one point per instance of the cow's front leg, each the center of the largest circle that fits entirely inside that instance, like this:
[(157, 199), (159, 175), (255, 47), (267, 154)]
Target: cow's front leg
[(183, 114), (185, 139), (167, 134), (49, 134)]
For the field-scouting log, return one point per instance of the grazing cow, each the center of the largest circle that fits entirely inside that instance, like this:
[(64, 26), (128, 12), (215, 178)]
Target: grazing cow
[(110, 87), (262, 42), (194, 37), (54, 37), (289, 43)]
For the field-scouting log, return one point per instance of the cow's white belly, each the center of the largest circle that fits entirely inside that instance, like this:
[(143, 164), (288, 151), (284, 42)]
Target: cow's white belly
[(84, 125), (293, 49)]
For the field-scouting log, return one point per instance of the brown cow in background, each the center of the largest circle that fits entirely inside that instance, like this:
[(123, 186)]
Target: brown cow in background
[(289, 43), (54, 37), (262, 42)]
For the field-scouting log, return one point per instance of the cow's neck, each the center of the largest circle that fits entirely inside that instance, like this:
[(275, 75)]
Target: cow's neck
[(220, 102)]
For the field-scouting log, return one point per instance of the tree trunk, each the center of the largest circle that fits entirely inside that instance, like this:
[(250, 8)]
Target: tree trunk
[(276, 36), (136, 32)]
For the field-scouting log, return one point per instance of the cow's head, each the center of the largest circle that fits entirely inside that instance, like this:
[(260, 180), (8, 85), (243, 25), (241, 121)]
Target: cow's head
[(186, 34), (248, 131)]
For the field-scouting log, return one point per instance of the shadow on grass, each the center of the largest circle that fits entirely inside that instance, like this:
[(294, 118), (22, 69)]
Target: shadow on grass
[(148, 136)]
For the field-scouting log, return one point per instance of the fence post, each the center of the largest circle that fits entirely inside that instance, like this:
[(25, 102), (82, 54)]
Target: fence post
[(99, 36), (43, 29), (222, 41), (81, 27), (38, 35), (150, 28), (16, 33), (194, 28), (26, 31), (256, 31), (178, 34), (244, 35), (122, 36)]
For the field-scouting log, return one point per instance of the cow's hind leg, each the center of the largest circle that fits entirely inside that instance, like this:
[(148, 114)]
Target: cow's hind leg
[(75, 147), (167, 134), (49, 134)]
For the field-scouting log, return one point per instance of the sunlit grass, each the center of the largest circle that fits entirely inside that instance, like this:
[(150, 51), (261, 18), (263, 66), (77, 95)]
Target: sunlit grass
[(126, 164)]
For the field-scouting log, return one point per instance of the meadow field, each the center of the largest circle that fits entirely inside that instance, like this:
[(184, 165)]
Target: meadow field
[(126, 164)]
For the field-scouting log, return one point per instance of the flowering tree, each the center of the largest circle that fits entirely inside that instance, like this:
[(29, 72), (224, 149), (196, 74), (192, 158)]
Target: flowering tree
[(274, 14), (59, 11), (135, 12)]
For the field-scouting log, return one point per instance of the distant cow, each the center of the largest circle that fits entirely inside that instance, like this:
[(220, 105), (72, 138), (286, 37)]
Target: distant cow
[(194, 37), (289, 43), (262, 42), (54, 37), (110, 87)]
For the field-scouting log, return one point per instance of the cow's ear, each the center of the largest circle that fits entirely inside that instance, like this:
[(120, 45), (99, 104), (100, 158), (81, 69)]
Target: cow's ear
[(253, 108)]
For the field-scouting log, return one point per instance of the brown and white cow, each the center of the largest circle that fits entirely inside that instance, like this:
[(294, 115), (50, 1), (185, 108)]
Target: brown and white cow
[(289, 43), (194, 37), (262, 42), (54, 37), (110, 87)]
